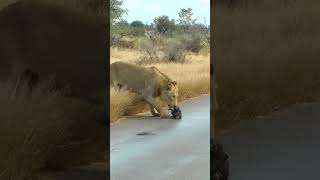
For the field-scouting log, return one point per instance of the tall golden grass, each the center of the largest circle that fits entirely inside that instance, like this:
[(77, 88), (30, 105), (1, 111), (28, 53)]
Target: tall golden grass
[(193, 80), (120, 101), (267, 57), (38, 127)]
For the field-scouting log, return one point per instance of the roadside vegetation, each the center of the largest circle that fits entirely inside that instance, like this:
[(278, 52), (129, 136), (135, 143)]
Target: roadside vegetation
[(43, 129), (179, 49), (266, 55)]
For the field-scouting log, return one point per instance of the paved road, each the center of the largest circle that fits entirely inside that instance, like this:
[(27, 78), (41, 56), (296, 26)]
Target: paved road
[(169, 150), (283, 146)]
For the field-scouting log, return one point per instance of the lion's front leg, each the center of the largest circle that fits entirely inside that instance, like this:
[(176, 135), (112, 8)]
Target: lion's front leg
[(154, 104), (153, 112)]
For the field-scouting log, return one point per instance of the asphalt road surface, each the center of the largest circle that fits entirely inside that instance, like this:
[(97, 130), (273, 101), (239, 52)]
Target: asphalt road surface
[(166, 149), (283, 146)]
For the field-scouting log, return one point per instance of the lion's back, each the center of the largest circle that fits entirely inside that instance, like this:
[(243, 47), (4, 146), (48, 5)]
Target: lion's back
[(122, 72), (134, 77)]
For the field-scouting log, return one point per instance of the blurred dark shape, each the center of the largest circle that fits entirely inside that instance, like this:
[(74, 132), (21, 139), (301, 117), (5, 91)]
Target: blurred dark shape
[(219, 161), (31, 78), (39, 40)]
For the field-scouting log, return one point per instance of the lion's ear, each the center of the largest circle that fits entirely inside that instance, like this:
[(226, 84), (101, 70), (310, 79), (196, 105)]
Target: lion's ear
[(170, 84), (174, 83)]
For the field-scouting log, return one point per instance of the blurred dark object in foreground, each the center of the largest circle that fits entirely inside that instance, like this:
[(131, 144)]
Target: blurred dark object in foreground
[(219, 162), (176, 112)]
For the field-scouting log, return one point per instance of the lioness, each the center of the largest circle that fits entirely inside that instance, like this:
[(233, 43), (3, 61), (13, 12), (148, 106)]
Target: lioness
[(150, 83)]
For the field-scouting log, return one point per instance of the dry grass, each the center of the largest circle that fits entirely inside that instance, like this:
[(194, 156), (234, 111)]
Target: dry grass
[(24, 130), (119, 54), (193, 79), (34, 128), (119, 103), (267, 57)]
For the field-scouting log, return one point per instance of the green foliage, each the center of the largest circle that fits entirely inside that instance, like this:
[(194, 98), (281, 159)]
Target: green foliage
[(127, 30), (122, 23), (185, 18), (149, 50), (137, 24), (116, 10), (172, 50), (200, 27), (175, 51), (164, 25), (182, 40), (192, 42)]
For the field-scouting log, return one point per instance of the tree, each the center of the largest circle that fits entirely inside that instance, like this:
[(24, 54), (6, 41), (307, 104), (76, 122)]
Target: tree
[(200, 26), (116, 10), (164, 25), (137, 23), (149, 26), (122, 23), (185, 19)]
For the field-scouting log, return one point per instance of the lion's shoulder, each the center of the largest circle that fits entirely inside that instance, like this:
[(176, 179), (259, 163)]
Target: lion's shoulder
[(157, 73)]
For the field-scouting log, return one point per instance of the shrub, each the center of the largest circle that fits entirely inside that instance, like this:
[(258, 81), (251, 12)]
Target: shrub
[(149, 51), (36, 124), (136, 31), (175, 51), (263, 66), (164, 25), (122, 42), (31, 125), (192, 42)]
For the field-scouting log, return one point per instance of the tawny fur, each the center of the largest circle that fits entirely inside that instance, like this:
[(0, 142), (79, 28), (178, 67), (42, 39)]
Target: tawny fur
[(148, 82)]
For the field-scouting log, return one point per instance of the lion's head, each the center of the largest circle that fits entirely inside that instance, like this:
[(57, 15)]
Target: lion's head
[(169, 94)]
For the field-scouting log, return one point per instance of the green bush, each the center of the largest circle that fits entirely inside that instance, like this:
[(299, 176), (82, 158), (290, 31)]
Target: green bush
[(135, 31), (149, 50), (193, 42), (175, 51)]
